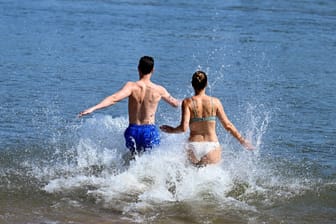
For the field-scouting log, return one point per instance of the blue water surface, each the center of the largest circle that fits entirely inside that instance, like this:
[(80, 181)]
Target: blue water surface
[(271, 63)]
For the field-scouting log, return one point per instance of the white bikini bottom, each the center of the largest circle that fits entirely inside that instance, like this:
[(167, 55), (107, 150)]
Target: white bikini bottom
[(200, 149)]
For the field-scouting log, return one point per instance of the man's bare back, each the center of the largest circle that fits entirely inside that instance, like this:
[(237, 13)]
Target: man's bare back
[(143, 99), (143, 102)]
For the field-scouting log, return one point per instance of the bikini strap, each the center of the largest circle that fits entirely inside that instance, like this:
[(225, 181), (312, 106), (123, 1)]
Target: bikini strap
[(212, 105), (194, 108)]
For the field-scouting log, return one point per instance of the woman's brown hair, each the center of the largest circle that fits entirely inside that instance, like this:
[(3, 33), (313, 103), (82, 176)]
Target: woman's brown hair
[(199, 80)]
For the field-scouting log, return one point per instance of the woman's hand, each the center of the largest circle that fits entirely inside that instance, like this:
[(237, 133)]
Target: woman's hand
[(248, 145)]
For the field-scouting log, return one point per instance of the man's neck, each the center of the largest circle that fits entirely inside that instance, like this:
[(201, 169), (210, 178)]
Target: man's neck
[(146, 78)]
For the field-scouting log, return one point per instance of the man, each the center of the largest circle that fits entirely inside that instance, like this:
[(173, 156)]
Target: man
[(143, 99)]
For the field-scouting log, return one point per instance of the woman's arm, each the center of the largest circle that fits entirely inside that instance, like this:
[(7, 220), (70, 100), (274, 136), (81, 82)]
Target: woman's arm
[(227, 124)]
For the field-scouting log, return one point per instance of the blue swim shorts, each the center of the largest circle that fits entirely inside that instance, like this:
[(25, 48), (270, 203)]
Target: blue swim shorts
[(141, 137)]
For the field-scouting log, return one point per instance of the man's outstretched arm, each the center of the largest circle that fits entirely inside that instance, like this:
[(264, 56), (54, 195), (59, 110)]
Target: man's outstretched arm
[(124, 92)]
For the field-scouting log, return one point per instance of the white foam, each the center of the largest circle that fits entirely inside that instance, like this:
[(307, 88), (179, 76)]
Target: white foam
[(164, 175)]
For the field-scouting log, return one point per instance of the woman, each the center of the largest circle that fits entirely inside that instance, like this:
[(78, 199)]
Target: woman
[(199, 113)]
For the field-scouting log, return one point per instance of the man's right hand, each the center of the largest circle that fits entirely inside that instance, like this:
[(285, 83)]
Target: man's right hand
[(85, 112)]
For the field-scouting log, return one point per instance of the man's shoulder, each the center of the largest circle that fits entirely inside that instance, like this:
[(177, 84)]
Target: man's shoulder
[(132, 84), (159, 87)]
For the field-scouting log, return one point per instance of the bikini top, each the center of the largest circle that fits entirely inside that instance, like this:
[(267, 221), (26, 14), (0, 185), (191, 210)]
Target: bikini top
[(198, 119)]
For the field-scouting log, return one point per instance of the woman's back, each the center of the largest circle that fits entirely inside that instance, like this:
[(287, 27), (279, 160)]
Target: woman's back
[(202, 121)]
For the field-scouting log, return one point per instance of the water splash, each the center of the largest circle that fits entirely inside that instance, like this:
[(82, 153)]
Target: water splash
[(243, 181)]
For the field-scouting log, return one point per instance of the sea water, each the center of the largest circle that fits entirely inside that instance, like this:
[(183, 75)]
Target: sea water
[(271, 63)]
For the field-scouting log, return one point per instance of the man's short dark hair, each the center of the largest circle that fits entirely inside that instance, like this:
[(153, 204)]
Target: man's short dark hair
[(146, 64)]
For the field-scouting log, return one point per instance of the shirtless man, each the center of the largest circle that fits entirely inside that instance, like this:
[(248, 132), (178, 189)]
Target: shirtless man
[(199, 114), (143, 99)]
